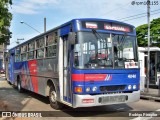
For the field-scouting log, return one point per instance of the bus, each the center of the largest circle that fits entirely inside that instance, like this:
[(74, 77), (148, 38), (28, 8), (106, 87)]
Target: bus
[(154, 72), (82, 63)]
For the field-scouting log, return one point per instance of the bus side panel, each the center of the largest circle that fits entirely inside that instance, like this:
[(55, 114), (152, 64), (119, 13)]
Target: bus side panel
[(11, 69), (41, 83), (50, 72), (50, 68), (25, 77), (17, 71), (34, 74), (40, 71), (27, 71), (32, 65)]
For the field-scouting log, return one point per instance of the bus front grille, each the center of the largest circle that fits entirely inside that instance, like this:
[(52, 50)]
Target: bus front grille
[(112, 88)]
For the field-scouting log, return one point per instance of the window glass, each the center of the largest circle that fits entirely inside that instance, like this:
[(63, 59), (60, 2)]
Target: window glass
[(51, 44), (51, 39), (17, 58), (95, 52), (51, 51), (31, 46), (18, 51), (40, 43), (24, 57), (31, 55), (23, 49), (40, 53)]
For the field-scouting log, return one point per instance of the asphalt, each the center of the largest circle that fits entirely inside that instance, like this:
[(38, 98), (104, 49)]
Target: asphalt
[(152, 94)]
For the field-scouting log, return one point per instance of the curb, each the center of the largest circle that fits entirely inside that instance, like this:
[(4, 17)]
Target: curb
[(150, 98)]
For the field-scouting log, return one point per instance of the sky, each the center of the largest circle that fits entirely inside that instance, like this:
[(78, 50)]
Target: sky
[(58, 12)]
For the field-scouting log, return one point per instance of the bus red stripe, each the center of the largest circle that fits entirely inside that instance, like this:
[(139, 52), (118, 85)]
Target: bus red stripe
[(91, 77), (78, 77)]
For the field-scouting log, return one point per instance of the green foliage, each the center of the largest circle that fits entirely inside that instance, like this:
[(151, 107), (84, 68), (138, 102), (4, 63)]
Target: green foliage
[(5, 20), (142, 32)]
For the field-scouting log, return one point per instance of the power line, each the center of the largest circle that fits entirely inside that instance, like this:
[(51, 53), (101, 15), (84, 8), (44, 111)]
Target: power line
[(116, 9), (140, 16), (137, 15)]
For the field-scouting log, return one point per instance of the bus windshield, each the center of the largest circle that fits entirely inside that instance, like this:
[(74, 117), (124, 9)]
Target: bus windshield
[(93, 51)]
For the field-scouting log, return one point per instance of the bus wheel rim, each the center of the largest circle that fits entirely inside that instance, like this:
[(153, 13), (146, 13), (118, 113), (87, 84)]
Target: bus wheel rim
[(53, 96), (19, 87)]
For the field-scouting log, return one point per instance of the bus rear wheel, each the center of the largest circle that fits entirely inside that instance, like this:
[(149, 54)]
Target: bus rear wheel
[(19, 86), (53, 99)]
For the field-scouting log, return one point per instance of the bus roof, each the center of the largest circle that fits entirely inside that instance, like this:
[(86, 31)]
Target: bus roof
[(100, 19), (73, 21)]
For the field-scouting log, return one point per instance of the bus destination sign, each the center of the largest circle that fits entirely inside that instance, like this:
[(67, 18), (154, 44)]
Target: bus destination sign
[(106, 26), (91, 25), (117, 27)]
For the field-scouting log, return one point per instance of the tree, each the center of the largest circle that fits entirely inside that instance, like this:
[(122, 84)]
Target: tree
[(5, 20), (142, 32)]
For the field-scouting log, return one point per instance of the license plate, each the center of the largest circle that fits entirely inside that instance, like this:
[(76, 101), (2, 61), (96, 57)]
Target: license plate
[(113, 99)]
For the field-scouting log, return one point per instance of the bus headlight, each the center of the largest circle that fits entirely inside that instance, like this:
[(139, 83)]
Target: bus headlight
[(134, 86), (94, 88), (88, 89), (129, 87)]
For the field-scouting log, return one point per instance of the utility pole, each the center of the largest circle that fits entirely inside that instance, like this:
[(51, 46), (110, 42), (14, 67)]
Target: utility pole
[(4, 59), (4, 49), (44, 25), (148, 19)]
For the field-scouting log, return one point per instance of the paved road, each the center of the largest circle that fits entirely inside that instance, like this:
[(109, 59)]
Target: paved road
[(12, 100)]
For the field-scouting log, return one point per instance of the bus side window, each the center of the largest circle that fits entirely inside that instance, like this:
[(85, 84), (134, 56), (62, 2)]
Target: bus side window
[(31, 46), (40, 53), (17, 58), (31, 50), (31, 55), (24, 57), (40, 48), (51, 44), (17, 54)]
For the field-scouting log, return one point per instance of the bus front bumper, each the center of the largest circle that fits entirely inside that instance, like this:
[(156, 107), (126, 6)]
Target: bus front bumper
[(104, 99)]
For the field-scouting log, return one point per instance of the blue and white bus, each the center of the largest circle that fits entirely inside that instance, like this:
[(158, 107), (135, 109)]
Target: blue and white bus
[(82, 63)]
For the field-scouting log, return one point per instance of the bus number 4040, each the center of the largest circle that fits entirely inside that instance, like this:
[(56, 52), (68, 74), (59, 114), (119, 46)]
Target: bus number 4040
[(132, 76)]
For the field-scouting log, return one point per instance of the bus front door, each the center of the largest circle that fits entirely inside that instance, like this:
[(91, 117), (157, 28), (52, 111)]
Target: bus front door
[(66, 71)]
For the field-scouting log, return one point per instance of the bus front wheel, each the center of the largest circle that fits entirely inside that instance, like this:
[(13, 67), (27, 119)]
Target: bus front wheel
[(53, 99)]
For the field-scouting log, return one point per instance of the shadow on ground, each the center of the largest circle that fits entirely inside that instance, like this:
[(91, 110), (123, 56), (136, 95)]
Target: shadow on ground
[(12, 100)]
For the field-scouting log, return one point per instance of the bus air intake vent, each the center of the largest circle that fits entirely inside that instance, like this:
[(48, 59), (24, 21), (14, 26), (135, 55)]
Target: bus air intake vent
[(113, 88)]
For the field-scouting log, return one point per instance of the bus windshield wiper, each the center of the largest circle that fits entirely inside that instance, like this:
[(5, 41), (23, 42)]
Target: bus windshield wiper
[(120, 42), (95, 32)]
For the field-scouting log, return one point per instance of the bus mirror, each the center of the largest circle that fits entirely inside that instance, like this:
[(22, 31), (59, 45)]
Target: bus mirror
[(72, 38)]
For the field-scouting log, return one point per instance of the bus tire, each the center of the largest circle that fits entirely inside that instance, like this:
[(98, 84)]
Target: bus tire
[(19, 87), (9, 82), (53, 99)]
